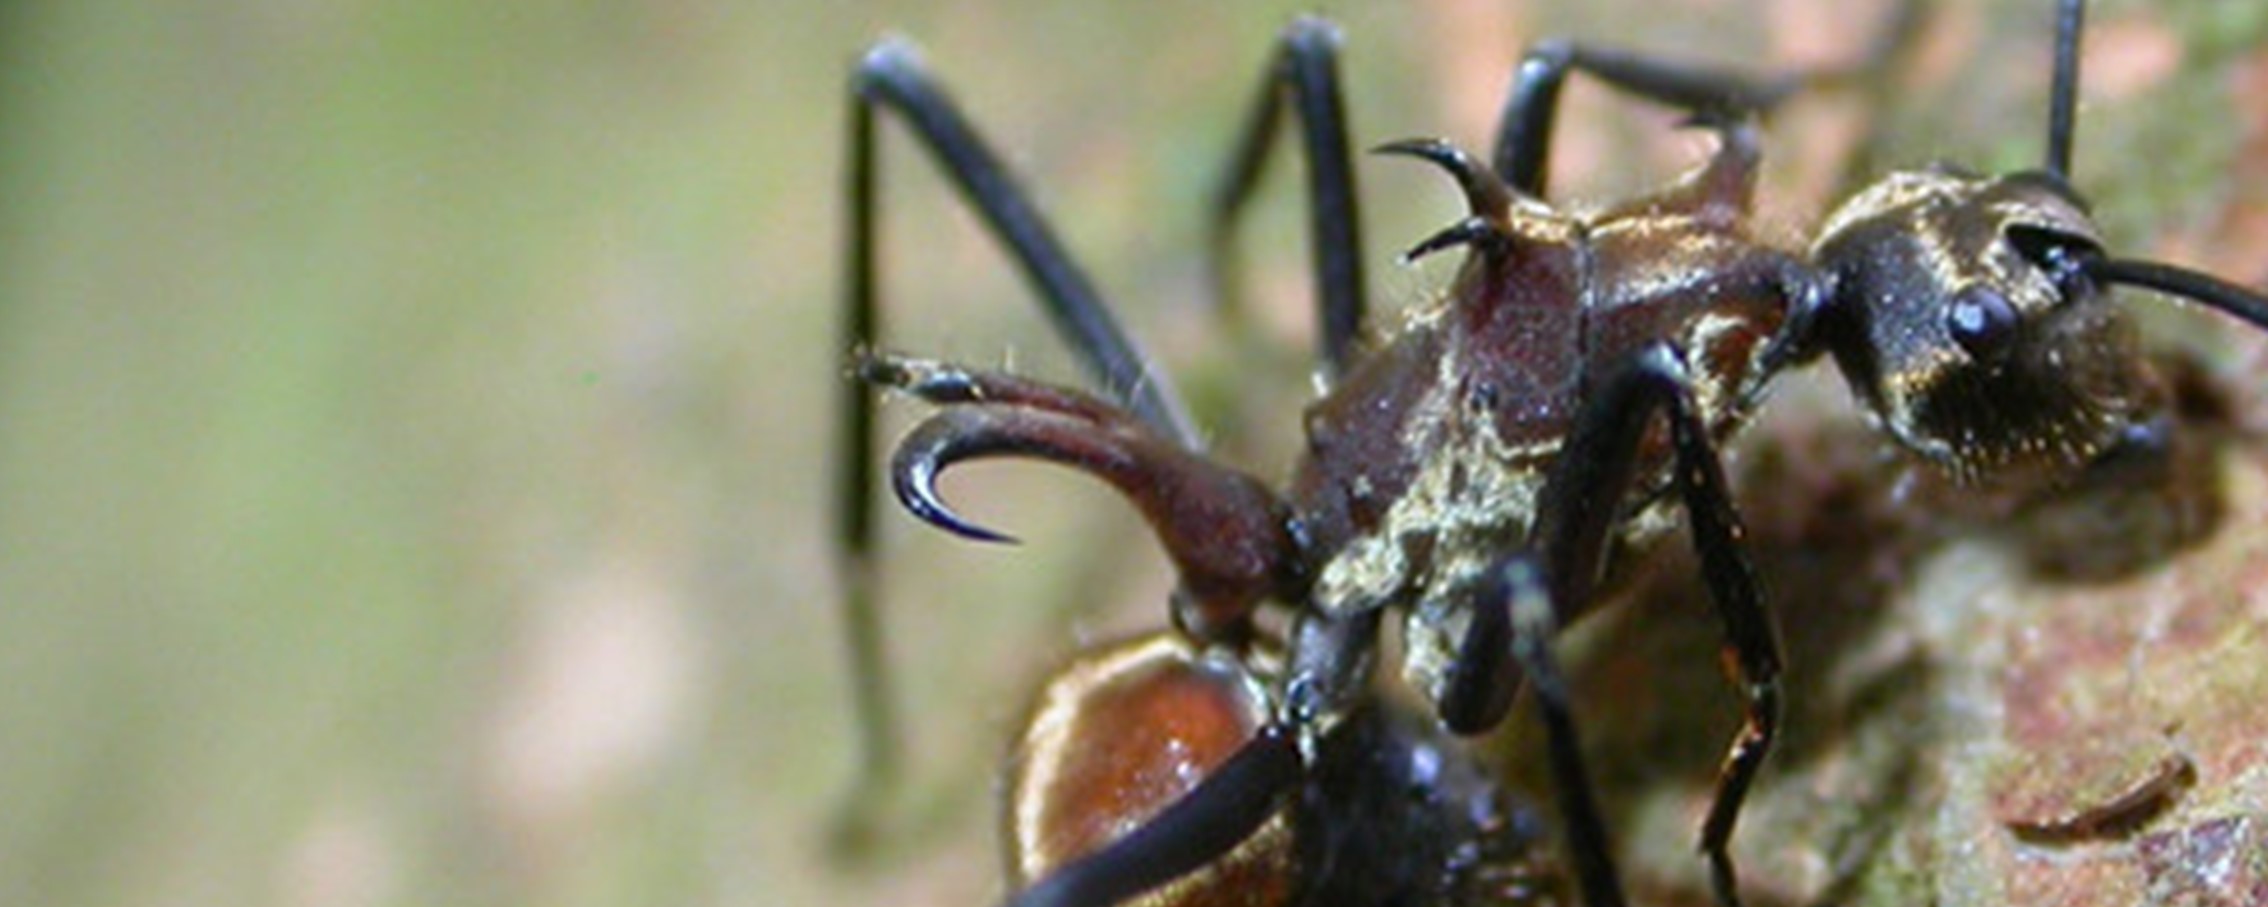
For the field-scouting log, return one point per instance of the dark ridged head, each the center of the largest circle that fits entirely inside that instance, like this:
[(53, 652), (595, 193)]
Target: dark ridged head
[(1962, 315)]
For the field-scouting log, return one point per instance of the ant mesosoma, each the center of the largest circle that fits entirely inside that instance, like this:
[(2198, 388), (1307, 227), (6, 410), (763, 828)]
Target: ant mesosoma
[(1567, 395)]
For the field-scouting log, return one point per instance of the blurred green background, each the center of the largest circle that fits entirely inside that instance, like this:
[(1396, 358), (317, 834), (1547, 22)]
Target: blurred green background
[(414, 415)]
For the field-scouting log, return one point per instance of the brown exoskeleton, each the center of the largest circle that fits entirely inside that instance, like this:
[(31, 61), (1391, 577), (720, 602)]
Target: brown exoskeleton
[(1564, 399)]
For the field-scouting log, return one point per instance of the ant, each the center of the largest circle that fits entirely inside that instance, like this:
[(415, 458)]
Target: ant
[(1480, 472)]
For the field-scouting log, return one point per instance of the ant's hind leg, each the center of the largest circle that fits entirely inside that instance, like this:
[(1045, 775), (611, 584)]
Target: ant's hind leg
[(1713, 94), (891, 78)]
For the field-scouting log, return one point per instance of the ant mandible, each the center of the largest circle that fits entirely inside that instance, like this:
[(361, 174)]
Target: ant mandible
[(1567, 394)]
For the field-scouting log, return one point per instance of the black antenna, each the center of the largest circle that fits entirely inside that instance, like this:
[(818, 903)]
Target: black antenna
[(2063, 100), (2238, 301)]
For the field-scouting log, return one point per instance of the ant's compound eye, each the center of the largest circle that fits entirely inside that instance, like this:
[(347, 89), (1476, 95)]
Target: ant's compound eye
[(1982, 321)]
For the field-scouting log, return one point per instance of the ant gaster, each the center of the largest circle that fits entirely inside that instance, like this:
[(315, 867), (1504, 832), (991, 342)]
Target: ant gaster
[(1567, 395)]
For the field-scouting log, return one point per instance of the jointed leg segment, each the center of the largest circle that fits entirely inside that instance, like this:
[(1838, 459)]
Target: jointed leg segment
[(1305, 72), (1581, 503), (892, 78)]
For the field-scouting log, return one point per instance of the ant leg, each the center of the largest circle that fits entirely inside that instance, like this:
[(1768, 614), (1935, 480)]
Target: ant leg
[(1304, 69), (1751, 648), (1518, 593), (1713, 94), (1523, 132), (892, 77), (1577, 510)]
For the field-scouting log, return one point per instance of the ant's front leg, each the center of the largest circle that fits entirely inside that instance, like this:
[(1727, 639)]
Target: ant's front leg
[(1576, 511), (1521, 605)]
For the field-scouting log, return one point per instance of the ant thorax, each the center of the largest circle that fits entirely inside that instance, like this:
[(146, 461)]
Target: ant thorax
[(1471, 499), (1480, 391)]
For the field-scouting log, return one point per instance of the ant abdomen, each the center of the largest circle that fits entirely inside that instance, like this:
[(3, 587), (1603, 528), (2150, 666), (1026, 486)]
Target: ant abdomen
[(1120, 734), (1392, 810)]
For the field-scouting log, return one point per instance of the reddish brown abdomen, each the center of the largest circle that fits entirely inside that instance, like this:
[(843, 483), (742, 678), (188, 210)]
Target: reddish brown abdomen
[(1118, 736)]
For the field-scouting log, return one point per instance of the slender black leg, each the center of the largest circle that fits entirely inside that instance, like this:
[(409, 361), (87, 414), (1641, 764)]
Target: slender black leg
[(891, 77), (1713, 94), (1579, 507), (878, 744), (1304, 71), (1330, 663), (1518, 591), (1751, 647)]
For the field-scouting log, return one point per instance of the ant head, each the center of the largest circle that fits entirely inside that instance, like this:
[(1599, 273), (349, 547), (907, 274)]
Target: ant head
[(1970, 314), (1964, 315)]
